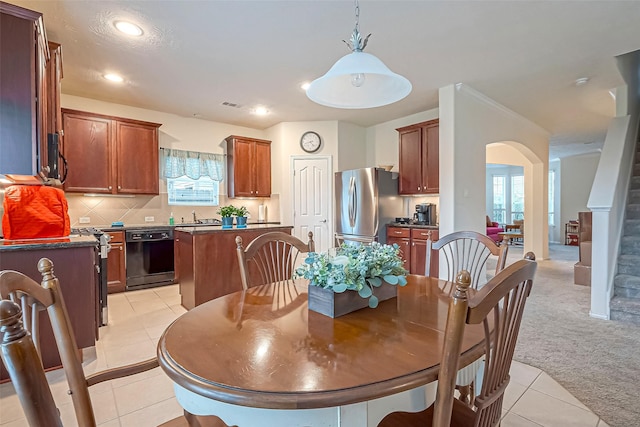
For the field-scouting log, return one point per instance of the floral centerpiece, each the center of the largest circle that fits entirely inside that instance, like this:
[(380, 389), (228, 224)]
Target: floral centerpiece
[(360, 268)]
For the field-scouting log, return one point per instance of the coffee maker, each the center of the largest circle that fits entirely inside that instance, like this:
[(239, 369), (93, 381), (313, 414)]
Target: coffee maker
[(425, 214)]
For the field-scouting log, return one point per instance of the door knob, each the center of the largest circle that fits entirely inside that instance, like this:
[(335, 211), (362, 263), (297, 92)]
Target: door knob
[(324, 220)]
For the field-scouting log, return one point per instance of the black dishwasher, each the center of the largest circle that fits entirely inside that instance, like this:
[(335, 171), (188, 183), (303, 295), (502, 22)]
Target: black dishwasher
[(149, 258)]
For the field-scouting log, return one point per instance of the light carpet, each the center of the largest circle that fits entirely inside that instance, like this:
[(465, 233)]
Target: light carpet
[(597, 361)]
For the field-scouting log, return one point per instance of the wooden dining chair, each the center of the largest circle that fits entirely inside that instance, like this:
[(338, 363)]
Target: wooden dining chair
[(498, 306), (270, 257), (21, 301), (467, 250)]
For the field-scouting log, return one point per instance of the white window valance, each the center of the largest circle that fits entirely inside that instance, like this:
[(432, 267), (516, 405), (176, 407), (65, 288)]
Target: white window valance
[(193, 164)]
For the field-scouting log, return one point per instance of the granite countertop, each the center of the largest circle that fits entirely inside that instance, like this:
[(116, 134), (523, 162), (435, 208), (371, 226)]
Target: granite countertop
[(397, 224), (48, 243), (218, 229), (149, 226)]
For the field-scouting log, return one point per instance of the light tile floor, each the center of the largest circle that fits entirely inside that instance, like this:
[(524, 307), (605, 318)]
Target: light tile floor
[(136, 321)]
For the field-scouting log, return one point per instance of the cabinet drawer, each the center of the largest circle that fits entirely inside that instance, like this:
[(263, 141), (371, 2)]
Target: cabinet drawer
[(423, 234), (398, 232), (116, 236)]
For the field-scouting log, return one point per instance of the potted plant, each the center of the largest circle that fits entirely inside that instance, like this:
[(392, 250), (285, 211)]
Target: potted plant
[(241, 216), (372, 271), (227, 212)]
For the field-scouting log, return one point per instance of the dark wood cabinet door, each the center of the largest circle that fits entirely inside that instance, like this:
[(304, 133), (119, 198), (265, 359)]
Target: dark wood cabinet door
[(19, 82), (243, 173), (136, 155), (431, 161), (116, 271), (262, 187), (418, 256), (248, 167), (410, 162), (87, 148), (405, 249)]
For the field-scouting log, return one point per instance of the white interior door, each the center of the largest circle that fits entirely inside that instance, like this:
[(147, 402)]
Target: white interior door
[(312, 199)]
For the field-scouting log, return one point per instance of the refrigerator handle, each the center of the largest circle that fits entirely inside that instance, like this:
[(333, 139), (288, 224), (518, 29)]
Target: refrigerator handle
[(352, 202)]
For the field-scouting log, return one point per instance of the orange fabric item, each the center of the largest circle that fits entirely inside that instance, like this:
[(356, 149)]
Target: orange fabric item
[(32, 212)]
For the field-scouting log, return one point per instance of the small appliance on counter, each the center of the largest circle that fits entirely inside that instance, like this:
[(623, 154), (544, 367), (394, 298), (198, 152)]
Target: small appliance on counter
[(425, 214), (403, 220)]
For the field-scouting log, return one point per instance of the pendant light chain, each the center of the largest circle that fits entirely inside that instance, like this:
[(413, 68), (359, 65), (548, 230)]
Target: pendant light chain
[(355, 43)]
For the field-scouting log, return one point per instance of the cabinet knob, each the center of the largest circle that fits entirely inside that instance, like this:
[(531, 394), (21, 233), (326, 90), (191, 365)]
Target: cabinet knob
[(109, 187), (119, 187), (121, 248)]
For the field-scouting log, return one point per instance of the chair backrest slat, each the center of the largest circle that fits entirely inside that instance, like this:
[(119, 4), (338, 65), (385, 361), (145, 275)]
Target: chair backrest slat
[(270, 258), (466, 250)]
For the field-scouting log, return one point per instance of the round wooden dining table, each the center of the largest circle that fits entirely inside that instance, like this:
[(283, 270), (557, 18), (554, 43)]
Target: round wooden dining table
[(260, 357)]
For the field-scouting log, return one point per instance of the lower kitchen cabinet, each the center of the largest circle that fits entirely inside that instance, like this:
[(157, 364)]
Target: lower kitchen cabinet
[(419, 237), (116, 270), (207, 261), (75, 267), (402, 237), (413, 246)]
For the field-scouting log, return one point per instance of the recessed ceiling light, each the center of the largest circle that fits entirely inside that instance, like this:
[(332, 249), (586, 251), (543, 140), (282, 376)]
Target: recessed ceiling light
[(582, 81), (260, 111), (128, 28), (305, 85), (113, 78)]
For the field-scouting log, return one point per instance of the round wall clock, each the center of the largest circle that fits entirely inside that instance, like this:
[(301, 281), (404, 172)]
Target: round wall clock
[(310, 142)]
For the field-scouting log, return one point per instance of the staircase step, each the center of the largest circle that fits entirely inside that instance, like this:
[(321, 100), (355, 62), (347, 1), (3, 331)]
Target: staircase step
[(625, 309), (633, 210), (629, 264), (627, 286), (632, 227), (635, 183), (634, 196), (630, 245)]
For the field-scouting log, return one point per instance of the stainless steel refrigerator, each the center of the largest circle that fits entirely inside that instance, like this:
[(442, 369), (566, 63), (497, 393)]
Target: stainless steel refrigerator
[(366, 200)]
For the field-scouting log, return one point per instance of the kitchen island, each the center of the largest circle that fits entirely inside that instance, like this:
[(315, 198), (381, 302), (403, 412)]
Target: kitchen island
[(206, 261), (74, 264)]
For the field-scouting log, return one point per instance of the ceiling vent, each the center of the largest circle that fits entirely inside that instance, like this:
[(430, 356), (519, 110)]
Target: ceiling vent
[(231, 104)]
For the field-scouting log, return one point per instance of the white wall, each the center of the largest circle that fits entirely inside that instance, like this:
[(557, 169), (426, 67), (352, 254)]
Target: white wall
[(287, 135), (576, 179), (352, 147), (468, 122)]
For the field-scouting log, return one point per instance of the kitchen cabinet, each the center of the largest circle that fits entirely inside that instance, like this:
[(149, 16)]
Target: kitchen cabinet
[(419, 158), (202, 279), (402, 237), (23, 88), (75, 267), (116, 270), (413, 245), (248, 167), (419, 237), (107, 154)]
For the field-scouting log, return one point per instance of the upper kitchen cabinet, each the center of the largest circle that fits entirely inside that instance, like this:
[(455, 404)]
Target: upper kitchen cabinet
[(419, 158), (25, 90), (108, 154), (248, 167)]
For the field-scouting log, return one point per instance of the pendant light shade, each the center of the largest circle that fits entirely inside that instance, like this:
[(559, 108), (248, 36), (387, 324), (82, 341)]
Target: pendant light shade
[(358, 80)]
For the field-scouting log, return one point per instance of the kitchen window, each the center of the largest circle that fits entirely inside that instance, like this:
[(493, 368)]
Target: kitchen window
[(193, 178), (193, 192)]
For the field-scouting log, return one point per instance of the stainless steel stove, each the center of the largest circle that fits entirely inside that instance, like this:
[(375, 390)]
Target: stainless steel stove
[(101, 267)]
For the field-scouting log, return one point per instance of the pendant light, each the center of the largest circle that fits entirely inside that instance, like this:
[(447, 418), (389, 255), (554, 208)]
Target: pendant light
[(359, 79)]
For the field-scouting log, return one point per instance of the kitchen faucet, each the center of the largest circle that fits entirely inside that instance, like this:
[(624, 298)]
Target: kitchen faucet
[(195, 221)]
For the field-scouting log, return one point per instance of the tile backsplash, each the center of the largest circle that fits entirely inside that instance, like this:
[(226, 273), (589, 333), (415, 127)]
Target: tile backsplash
[(103, 210)]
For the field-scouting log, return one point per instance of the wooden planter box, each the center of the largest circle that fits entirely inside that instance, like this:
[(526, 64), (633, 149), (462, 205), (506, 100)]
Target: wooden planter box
[(332, 304)]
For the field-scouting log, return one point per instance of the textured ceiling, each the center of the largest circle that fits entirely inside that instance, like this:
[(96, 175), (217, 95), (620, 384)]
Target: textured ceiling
[(195, 55)]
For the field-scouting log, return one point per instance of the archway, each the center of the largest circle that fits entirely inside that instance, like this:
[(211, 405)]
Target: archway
[(535, 188)]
